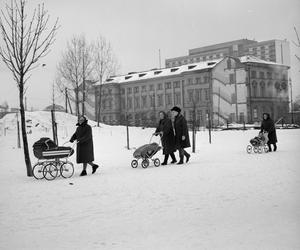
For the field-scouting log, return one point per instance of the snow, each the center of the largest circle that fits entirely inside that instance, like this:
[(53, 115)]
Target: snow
[(223, 198)]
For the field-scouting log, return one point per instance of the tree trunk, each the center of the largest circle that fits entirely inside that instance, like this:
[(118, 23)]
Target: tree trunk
[(77, 101), (24, 135), (99, 105)]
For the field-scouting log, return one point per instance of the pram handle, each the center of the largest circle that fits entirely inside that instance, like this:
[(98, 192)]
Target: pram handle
[(155, 134)]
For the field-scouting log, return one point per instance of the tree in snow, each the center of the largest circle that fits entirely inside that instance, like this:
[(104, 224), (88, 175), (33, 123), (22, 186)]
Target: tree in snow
[(75, 68), (26, 40), (105, 65)]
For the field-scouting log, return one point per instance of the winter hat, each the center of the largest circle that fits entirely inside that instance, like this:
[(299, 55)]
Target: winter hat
[(177, 109)]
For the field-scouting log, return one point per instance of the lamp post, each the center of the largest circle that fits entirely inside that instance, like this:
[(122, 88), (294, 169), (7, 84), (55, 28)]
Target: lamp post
[(292, 109)]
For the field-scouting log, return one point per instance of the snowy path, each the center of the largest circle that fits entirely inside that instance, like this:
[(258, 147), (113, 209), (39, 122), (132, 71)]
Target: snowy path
[(223, 199)]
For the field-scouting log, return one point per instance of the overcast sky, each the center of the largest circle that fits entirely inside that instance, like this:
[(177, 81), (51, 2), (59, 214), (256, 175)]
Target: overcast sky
[(137, 29)]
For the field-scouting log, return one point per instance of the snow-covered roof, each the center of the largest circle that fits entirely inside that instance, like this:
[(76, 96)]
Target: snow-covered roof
[(253, 59), (156, 73)]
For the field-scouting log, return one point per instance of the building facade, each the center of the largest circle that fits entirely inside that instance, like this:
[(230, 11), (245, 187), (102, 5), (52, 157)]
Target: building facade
[(228, 89), (272, 50)]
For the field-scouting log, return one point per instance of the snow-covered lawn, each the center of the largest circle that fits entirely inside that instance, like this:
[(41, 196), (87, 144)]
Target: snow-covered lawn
[(223, 198)]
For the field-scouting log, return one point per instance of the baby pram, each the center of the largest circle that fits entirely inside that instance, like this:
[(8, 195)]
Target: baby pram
[(145, 153), (259, 143), (52, 160)]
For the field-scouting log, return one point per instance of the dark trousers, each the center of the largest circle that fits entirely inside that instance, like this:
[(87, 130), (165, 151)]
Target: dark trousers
[(167, 157), (182, 153)]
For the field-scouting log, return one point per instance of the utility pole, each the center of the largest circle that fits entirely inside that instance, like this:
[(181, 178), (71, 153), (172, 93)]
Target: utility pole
[(292, 106), (159, 58), (219, 106), (66, 100)]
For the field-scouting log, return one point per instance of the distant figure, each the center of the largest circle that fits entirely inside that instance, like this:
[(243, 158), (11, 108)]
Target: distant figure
[(85, 148), (182, 139), (167, 137), (268, 125)]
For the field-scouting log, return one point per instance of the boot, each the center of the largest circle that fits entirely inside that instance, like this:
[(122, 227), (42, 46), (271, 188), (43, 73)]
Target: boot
[(187, 155), (165, 162), (275, 147), (181, 161), (83, 173), (269, 146), (173, 158), (95, 166)]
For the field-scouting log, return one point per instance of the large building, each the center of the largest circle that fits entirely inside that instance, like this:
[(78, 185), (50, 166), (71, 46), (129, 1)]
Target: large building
[(227, 89), (272, 50)]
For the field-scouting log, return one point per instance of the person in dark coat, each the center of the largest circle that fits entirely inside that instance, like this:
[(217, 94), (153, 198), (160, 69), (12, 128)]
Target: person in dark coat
[(166, 132), (268, 125), (182, 139), (85, 148)]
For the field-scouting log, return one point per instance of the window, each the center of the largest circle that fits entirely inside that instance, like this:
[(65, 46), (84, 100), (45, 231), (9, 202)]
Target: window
[(199, 116), (197, 95), (191, 95), (190, 81), (269, 75), (231, 79), (168, 99), (129, 90), (136, 89), (159, 86), (198, 80), (262, 89), (253, 74), (144, 101), (206, 92), (160, 100), (262, 75), (122, 91), (233, 98), (152, 100), (255, 113), (144, 89), (254, 89), (177, 98), (167, 85), (176, 84), (129, 103), (229, 64), (151, 87), (137, 102), (123, 103)]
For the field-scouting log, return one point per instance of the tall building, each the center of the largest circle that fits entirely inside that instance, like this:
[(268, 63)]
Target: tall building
[(273, 50), (228, 89)]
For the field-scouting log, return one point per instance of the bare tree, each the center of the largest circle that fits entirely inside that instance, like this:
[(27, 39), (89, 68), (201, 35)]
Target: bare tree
[(105, 65), (26, 41), (298, 43), (74, 68)]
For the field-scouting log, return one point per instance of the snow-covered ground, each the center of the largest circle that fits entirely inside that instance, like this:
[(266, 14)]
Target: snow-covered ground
[(223, 198)]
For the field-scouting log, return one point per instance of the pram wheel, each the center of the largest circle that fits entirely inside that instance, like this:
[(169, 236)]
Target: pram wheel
[(255, 149), (37, 171), (260, 149), (67, 169), (145, 163), (134, 163), (156, 162), (266, 148), (249, 149), (50, 171)]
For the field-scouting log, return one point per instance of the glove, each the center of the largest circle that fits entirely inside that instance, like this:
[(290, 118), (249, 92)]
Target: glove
[(183, 137)]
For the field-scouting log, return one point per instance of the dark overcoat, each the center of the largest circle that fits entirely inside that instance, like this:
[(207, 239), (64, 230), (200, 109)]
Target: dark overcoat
[(181, 129), (85, 147), (268, 125), (168, 137)]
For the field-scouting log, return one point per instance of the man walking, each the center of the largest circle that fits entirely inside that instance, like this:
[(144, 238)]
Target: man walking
[(182, 139)]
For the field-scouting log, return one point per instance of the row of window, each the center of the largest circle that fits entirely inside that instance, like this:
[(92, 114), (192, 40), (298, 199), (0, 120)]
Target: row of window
[(195, 59), (268, 75), (166, 85), (267, 90)]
